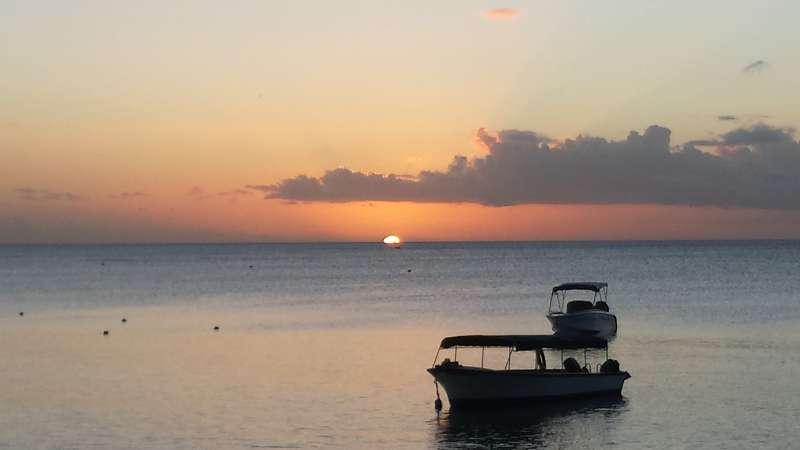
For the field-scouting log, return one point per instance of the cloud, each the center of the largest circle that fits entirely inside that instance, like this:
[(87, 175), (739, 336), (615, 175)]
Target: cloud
[(234, 193), (501, 13), (743, 118), (199, 193), (752, 167), (758, 134), (756, 66), (43, 195), (196, 191), (129, 195)]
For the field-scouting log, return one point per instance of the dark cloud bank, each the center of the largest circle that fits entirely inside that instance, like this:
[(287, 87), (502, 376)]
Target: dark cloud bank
[(752, 167)]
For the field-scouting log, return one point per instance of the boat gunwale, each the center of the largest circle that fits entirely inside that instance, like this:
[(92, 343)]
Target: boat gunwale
[(469, 370), (576, 313)]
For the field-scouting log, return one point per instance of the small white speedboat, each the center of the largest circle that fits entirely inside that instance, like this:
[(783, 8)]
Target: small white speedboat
[(477, 385), (581, 317)]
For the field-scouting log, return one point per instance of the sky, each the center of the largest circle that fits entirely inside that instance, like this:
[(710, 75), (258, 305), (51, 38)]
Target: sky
[(351, 120)]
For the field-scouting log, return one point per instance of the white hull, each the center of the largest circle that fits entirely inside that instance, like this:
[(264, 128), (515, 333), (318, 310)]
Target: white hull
[(585, 323), (470, 385)]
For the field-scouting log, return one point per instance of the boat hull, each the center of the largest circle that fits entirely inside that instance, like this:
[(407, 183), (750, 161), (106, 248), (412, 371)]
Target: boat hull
[(584, 323), (469, 386)]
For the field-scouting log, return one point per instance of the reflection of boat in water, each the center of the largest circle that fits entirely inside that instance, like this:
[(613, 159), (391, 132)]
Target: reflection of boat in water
[(470, 385), (582, 317), (560, 424)]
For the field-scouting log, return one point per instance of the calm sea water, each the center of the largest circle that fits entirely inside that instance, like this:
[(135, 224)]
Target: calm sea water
[(326, 345)]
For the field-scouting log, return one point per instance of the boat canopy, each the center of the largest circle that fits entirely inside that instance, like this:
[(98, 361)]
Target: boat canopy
[(595, 286), (524, 342)]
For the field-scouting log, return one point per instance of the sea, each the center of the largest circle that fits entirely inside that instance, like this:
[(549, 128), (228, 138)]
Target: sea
[(326, 345)]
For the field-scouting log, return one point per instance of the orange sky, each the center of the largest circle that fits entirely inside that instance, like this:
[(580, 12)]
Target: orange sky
[(189, 104), (249, 218)]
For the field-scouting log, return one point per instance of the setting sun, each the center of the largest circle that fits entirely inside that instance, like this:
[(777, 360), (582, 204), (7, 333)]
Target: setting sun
[(391, 240)]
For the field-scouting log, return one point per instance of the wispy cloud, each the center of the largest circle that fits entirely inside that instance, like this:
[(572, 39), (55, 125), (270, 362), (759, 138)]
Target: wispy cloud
[(756, 66), (129, 195), (745, 119), (750, 167), (38, 195), (501, 13), (198, 193), (234, 193)]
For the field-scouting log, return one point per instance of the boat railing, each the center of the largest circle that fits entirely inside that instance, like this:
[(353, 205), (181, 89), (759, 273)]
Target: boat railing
[(587, 367), (538, 362)]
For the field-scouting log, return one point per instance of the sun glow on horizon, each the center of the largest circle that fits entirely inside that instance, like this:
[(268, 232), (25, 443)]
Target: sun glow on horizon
[(391, 240)]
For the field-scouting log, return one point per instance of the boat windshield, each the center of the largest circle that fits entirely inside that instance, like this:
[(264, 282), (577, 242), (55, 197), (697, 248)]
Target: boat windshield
[(587, 294)]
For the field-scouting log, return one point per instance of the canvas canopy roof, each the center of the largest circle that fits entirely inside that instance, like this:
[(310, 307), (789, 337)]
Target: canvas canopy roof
[(522, 342), (581, 286)]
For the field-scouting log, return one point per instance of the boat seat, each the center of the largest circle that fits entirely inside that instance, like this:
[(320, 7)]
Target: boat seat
[(601, 305), (447, 363), (579, 305), (571, 365), (610, 366)]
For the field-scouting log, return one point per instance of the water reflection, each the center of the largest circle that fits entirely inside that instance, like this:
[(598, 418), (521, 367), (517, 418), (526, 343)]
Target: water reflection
[(567, 424)]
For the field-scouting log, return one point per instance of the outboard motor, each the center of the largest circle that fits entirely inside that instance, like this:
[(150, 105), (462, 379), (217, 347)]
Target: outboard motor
[(610, 366)]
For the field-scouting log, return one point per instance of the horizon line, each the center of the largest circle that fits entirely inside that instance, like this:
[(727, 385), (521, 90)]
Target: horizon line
[(379, 242)]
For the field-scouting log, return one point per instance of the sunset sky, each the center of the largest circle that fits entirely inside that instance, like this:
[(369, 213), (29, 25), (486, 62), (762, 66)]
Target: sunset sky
[(218, 121)]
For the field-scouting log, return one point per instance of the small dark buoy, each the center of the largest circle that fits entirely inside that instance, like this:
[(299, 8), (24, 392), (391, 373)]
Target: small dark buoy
[(251, 267), (21, 313), (105, 332), (409, 270), (124, 320), (216, 327)]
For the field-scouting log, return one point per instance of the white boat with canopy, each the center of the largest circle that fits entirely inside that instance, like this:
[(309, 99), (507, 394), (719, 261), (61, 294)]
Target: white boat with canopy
[(585, 316), (475, 385)]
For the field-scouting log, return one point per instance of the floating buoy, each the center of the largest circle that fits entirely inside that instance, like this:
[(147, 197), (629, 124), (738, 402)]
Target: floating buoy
[(216, 327), (105, 332), (251, 267), (21, 313), (124, 320), (409, 270)]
